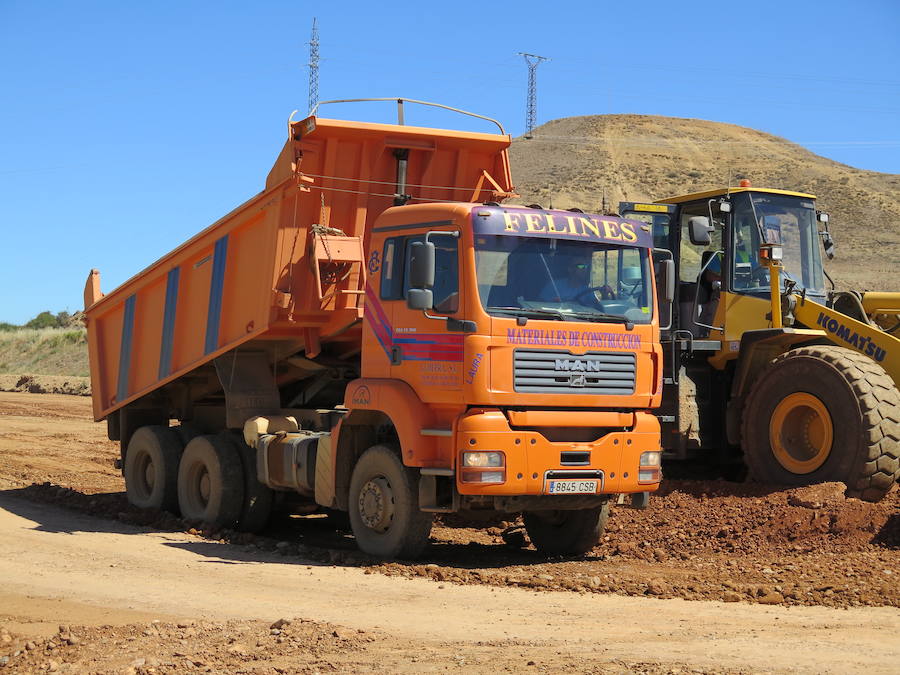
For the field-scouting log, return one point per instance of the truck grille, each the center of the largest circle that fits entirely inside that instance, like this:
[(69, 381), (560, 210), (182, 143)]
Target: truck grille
[(561, 372)]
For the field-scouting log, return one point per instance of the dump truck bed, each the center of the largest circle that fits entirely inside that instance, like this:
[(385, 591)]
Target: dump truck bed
[(286, 269)]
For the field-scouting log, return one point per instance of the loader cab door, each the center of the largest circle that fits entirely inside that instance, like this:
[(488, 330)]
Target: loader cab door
[(699, 268), (660, 218)]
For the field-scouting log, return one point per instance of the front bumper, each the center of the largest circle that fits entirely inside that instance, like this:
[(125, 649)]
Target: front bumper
[(531, 459)]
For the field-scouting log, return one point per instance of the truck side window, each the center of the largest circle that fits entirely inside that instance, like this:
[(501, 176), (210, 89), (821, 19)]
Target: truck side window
[(392, 269), (446, 273)]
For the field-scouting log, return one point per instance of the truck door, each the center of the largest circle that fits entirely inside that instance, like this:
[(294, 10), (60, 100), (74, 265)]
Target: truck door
[(423, 352)]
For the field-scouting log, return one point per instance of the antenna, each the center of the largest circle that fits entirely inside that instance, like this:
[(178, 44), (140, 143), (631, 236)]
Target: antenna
[(314, 66), (533, 61)]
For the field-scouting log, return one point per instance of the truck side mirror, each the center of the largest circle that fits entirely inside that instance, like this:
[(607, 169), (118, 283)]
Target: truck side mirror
[(421, 276), (421, 264), (699, 230), (420, 298)]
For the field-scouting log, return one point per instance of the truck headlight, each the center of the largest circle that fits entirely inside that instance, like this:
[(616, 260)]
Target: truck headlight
[(483, 467), (482, 459), (651, 458)]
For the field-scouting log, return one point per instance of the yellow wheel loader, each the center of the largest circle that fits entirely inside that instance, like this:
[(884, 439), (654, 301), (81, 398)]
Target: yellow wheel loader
[(766, 362)]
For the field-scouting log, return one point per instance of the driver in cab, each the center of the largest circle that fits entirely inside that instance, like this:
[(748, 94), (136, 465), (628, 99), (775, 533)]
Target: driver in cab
[(570, 277)]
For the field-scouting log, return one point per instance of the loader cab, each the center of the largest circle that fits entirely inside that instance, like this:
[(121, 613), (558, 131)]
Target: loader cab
[(740, 221)]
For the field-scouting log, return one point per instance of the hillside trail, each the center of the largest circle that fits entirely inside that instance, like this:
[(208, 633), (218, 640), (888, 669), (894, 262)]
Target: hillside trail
[(135, 584)]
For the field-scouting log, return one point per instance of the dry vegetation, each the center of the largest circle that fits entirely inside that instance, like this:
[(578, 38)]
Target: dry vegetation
[(588, 161), (44, 351)]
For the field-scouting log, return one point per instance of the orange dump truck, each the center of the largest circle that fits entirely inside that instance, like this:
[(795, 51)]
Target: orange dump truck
[(374, 333)]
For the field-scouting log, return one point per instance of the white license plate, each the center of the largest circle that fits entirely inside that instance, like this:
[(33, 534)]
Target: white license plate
[(571, 487)]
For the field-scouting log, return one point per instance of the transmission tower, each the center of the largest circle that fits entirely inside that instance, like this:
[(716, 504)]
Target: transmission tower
[(314, 66), (533, 61)]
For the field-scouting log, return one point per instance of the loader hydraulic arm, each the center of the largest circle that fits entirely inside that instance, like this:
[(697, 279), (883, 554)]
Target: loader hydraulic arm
[(845, 331)]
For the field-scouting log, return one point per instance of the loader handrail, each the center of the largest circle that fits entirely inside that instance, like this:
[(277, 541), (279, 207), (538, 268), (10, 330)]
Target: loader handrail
[(400, 102)]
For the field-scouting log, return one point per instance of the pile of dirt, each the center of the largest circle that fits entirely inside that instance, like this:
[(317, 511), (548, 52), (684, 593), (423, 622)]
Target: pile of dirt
[(47, 384), (189, 646)]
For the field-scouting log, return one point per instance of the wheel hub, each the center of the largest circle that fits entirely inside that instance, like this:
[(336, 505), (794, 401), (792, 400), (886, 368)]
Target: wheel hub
[(149, 475), (376, 504), (203, 487), (801, 433)]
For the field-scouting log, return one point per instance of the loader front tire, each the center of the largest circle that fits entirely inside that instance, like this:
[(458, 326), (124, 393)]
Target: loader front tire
[(566, 532), (211, 482), (384, 506), (820, 414), (151, 468)]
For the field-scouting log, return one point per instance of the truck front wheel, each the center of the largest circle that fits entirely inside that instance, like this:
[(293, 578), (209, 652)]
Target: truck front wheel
[(822, 414), (211, 482), (384, 506), (151, 468), (566, 532)]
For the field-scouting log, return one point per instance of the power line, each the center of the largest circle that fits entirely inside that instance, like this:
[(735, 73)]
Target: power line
[(533, 61), (314, 66)]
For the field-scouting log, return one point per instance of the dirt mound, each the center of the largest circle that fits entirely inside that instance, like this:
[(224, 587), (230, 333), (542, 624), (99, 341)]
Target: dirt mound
[(46, 384), (189, 646), (723, 517)]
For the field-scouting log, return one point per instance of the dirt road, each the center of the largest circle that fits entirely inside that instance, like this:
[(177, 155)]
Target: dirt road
[(472, 605)]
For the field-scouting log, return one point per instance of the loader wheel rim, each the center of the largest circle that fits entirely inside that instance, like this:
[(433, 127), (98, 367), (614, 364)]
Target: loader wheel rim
[(801, 433), (376, 504)]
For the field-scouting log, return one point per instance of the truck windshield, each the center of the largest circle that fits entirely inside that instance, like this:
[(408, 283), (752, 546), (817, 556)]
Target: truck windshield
[(781, 218), (563, 280)]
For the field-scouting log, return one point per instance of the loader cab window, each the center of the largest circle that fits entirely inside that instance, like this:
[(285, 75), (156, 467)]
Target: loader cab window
[(790, 220), (659, 224)]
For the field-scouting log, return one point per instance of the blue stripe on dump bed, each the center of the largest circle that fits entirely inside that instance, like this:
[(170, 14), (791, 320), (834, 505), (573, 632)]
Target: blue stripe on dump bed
[(168, 330), (214, 313), (125, 348)]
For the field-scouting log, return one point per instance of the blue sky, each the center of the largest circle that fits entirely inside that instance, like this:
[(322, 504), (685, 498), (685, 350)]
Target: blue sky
[(127, 127)]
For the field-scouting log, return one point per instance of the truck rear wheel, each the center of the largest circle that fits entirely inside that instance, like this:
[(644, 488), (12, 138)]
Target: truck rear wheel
[(384, 506), (257, 503), (211, 482), (566, 532), (821, 414), (151, 468)]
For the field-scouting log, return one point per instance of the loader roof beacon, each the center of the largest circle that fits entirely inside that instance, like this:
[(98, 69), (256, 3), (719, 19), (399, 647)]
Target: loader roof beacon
[(374, 333), (765, 365)]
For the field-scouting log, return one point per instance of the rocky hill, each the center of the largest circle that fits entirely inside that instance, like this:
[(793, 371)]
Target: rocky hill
[(587, 162)]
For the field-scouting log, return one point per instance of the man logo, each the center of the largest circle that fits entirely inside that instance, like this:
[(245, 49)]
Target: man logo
[(578, 380), (577, 365), (362, 396)]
